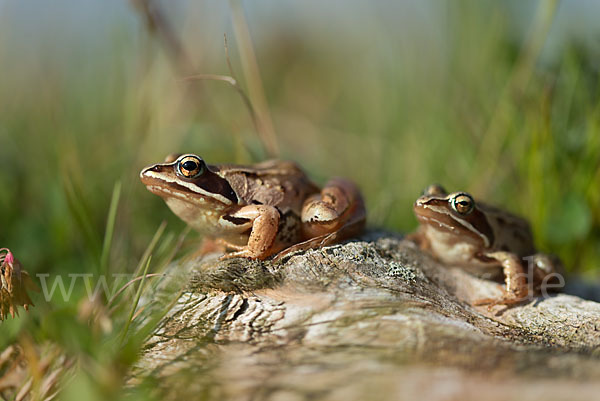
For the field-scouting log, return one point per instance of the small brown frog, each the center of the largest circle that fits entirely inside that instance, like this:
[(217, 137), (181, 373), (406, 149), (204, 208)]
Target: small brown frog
[(459, 231)]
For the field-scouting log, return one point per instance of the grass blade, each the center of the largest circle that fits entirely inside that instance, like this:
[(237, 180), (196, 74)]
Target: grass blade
[(157, 235), (136, 301), (110, 227), (80, 213)]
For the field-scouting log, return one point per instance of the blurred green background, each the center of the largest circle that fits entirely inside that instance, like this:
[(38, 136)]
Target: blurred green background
[(501, 99), (498, 99)]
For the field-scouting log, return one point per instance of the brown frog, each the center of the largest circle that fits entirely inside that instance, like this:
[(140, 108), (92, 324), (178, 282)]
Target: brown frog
[(457, 230), (257, 210)]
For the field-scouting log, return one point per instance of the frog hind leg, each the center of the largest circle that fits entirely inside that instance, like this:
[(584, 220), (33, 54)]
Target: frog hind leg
[(547, 270), (335, 214), (339, 203), (516, 290)]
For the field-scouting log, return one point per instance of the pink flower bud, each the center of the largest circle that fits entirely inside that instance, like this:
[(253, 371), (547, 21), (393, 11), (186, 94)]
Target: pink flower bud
[(9, 259)]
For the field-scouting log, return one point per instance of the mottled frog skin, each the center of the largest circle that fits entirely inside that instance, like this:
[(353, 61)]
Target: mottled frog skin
[(257, 210), (457, 230)]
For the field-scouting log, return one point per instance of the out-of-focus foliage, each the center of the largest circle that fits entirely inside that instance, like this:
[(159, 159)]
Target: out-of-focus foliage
[(402, 94), (483, 96)]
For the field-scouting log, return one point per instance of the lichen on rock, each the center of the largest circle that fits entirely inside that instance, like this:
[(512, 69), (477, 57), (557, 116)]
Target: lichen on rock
[(367, 319)]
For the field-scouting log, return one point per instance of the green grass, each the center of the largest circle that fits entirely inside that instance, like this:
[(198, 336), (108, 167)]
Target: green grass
[(394, 106)]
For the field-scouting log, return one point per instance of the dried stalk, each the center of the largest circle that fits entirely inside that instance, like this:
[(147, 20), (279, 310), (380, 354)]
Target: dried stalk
[(158, 26)]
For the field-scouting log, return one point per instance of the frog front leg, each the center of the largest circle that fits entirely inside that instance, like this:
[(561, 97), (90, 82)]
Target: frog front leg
[(516, 290), (264, 221)]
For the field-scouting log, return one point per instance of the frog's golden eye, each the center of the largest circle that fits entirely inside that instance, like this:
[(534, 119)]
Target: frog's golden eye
[(462, 203), (190, 166)]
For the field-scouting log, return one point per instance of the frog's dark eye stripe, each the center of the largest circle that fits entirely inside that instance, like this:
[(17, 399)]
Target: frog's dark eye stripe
[(190, 167), (463, 203)]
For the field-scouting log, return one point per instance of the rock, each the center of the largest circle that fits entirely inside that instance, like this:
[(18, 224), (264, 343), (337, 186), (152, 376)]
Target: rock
[(370, 319)]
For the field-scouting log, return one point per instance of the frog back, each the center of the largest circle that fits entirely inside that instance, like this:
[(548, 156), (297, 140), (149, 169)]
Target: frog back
[(281, 184), (512, 233)]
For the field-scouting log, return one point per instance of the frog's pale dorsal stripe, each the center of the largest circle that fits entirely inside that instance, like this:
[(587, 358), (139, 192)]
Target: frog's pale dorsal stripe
[(463, 222), (189, 185)]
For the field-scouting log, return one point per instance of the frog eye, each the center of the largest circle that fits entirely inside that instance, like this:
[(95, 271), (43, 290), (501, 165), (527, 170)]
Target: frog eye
[(190, 166), (462, 203)]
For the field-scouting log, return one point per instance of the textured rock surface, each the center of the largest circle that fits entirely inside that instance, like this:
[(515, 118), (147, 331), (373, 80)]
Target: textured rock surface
[(374, 319)]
